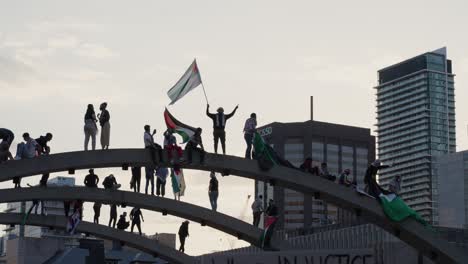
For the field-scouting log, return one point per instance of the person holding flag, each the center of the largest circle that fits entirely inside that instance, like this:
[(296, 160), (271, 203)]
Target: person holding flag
[(219, 123)]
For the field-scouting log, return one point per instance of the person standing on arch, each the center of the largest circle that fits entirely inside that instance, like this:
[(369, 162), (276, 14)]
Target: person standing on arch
[(104, 118), (90, 127), (113, 215), (213, 191), (97, 212), (135, 216), (219, 124), (183, 234), (91, 180), (249, 131), (257, 210)]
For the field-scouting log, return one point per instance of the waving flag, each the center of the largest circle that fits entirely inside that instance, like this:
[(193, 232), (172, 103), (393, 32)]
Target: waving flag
[(189, 81), (180, 128), (397, 210)]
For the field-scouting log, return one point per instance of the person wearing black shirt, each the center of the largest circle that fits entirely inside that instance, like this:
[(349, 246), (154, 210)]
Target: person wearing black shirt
[(191, 146), (183, 234), (271, 210), (213, 191), (135, 216), (219, 124), (110, 182), (97, 212), (113, 215), (136, 179), (6, 136), (123, 224), (42, 148), (91, 180), (104, 118)]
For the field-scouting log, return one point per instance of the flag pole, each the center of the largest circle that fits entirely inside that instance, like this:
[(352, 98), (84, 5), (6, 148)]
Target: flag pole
[(204, 92)]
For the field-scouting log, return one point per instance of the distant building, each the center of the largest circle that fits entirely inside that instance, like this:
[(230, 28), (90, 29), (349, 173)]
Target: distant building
[(416, 122), (340, 146), (451, 185), (51, 207)]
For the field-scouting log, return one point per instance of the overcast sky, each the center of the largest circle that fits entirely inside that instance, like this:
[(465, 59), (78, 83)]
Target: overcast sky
[(266, 56)]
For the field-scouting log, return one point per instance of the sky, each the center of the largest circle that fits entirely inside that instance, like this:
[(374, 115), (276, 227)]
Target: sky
[(267, 56)]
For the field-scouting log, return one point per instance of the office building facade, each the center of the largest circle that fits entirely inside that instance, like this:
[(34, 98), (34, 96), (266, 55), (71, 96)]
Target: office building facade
[(415, 122), (451, 171), (342, 147)]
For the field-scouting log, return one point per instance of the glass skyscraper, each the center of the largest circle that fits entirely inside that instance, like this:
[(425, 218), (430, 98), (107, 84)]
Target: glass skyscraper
[(415, 122)]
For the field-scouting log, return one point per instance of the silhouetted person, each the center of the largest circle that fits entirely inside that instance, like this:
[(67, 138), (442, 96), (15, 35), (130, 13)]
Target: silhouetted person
[(113, 215), (90, 127), (104, 118), (6, 136), (161, 177), (123, 224), (183, 234), (271, 210), (154, 148), (97, 212), (219, 124), (42, 148), (110, 183), (370, 178), (213, 191), (35, 205), (44, 179), (135, 216), (249, 131), (192, 145), (149, 175), (136, 179), (91, 180), (257, 209), (5, 153)]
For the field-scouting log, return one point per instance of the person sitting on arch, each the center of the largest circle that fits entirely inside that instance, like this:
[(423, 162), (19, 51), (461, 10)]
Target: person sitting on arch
[(193, 144), (7, 136), (42, 148), (170, 145)]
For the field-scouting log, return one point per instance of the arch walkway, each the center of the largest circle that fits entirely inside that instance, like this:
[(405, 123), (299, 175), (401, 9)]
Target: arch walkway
[(409, 231), (144, 244)]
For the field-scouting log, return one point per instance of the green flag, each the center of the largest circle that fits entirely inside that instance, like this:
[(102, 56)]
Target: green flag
[(397, 210)]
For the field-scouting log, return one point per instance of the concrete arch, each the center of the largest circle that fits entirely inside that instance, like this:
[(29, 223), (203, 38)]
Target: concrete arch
[(219, 221), (135, 241), (408, 231)]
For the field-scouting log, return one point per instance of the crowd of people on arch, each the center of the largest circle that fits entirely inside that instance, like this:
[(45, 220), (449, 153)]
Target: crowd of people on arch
[(31, 148)]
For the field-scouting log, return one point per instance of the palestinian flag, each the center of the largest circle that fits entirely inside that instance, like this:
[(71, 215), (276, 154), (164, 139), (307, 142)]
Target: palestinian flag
[(178, 181), (73, 222), (185, 131), (270, 224), (264, 155), (397, 210), (189, 81)]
